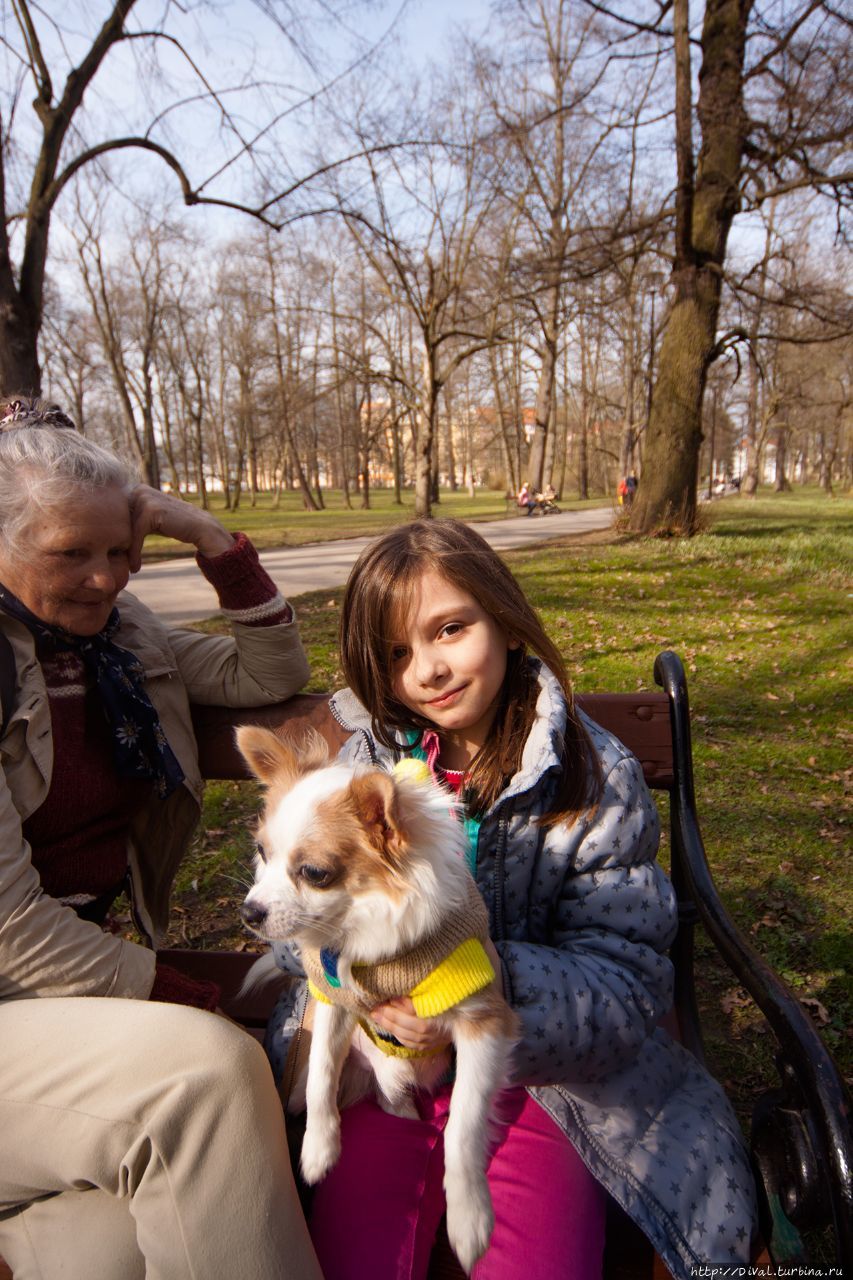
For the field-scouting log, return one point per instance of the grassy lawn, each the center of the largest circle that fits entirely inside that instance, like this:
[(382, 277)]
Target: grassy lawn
[(758, 608), (291, 525)]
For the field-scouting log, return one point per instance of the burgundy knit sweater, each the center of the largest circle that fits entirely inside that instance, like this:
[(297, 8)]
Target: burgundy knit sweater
[(79, 833)]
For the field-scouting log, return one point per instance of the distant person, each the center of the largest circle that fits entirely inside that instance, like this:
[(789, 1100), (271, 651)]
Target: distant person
[(630, 489), (545, 500), (140, 1134), (525, 498), (622, 491)]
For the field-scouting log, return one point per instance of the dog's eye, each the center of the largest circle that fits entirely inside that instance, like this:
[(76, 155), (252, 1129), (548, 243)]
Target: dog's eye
[(261, 851), (317, 877)]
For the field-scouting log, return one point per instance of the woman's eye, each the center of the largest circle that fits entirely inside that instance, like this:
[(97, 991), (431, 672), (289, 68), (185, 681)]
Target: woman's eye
[(317, 877)]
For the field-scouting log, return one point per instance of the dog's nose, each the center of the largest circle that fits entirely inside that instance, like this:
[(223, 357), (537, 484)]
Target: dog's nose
[(253, 913)]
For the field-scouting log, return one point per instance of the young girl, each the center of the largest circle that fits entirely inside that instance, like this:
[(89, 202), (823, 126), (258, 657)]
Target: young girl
[(447, 661)]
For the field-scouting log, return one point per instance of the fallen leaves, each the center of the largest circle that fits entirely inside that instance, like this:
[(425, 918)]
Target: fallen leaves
[(768, 921), (818, 1011)]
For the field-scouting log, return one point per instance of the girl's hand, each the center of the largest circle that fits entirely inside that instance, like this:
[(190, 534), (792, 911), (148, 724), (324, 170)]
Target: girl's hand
[(155, 512), (491, 951), (399, 1018)]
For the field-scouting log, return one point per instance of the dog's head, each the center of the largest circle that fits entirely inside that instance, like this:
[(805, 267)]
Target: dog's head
[(349, 857)]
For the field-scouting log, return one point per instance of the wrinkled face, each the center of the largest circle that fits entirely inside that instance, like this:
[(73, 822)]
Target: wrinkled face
[(449, 665), (74, 561)]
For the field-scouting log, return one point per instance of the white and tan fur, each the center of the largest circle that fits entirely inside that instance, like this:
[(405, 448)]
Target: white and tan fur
[(390, 855)]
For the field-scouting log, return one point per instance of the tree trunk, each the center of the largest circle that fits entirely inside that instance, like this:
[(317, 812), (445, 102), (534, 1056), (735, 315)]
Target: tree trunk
[(666, 497), (199, 451), (426, 437), (781, 483), (667, 494), (20, 372), (583, 452), (448, 438), (366, 450), (513, 480), (544, 393)]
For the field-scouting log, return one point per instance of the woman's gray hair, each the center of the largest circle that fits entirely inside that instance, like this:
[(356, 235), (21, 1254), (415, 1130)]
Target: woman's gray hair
[(45, 464)]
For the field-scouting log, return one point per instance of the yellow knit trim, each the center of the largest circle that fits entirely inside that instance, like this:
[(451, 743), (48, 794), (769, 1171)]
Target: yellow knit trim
[(465, 971), (395, 1050), (317, 994)]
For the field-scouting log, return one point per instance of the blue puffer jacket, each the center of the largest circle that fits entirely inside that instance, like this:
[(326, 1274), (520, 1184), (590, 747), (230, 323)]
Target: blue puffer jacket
[(581, 916)]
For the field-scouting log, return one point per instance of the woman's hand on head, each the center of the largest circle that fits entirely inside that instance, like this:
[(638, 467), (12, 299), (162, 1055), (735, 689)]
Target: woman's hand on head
[(154, 512), (399, 1018)]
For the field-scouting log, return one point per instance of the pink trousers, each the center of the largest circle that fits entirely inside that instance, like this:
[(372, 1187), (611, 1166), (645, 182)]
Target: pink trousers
[(375, 1215)]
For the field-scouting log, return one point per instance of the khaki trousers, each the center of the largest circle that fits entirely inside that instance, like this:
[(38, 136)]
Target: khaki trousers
[(142, 1140)]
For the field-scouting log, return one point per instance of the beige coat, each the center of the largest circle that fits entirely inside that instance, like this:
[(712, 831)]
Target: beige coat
[(45, 949)]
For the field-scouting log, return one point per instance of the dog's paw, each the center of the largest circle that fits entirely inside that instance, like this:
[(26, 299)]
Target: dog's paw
[(321, 1148), (470, 1220)]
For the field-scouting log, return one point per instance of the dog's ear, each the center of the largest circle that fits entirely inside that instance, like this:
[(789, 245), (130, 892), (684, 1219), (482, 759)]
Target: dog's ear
[(377, 805), (266, 755)]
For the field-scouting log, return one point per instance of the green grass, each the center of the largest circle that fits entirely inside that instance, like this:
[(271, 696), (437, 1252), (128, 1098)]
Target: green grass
[(291, 525), (758, 607)]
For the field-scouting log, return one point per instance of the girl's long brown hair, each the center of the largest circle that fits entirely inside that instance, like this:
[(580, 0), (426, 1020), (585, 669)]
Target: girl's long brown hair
[(379, 592)]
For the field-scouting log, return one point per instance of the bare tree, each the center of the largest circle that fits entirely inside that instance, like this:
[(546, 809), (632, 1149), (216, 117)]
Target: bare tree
[(69, 139), (773, 113), (127, 306), (419, 220), (559, 116)]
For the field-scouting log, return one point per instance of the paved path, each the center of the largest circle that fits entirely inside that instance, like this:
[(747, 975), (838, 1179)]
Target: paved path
[(177, 592)]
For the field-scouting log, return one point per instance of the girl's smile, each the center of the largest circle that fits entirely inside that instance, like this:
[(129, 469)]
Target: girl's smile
[(444, 699), (449, 666)]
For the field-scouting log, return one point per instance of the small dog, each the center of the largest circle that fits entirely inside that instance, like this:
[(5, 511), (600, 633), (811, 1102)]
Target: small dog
[(365, 872)]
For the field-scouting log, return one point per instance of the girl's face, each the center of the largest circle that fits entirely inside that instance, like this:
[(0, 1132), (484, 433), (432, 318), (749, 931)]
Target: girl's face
[(449, 665)]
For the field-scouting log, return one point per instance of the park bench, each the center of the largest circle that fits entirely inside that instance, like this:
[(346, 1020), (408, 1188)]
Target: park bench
[(545, 508), (801, 1142)]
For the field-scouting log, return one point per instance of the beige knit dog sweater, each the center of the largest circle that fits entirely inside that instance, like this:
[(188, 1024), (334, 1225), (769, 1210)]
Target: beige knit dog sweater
[(446, 967)]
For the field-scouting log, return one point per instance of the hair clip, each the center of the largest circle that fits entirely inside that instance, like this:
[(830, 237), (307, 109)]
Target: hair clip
[(16, 413)]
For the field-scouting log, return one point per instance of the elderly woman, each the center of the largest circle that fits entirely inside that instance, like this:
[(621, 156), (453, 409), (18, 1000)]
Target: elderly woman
[(140, 1135)]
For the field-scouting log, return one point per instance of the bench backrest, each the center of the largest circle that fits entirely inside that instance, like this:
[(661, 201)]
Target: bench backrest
[(640, 720)]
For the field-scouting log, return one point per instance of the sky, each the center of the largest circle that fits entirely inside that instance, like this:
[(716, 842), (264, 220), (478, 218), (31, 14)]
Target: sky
[(232, 40)]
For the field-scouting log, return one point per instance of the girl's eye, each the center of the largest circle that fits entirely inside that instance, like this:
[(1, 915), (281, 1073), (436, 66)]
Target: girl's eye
[(452, 629), (398, 651)]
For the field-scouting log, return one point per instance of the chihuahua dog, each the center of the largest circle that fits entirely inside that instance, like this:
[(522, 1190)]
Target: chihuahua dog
[(364, 871)]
